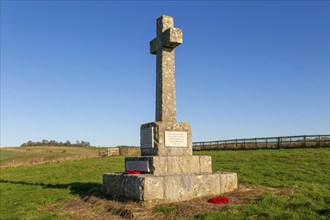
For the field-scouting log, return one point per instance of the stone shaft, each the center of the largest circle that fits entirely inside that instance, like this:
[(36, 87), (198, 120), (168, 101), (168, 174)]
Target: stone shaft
[(163, 46), (165, 86)]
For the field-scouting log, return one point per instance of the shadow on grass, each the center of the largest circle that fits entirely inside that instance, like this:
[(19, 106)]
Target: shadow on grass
[(76, 188)]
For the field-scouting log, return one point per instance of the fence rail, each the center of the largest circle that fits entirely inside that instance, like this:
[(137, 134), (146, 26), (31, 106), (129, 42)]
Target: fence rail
[(303, 141)]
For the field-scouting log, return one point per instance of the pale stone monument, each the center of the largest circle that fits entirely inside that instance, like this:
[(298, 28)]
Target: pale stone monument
[(169, 170)]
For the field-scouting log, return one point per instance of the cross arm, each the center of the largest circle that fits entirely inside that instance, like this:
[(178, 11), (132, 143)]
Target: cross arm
[(170, 38)]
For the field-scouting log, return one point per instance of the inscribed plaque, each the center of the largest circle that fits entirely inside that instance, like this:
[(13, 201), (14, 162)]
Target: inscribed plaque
[(142, 165), (147, 137), (176, 139)]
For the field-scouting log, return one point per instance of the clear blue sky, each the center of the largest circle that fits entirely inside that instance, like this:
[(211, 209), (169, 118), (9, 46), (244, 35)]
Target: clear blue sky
[(81, 70)]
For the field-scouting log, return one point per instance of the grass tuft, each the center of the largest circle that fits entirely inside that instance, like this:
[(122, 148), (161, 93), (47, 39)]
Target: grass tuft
[(166, 209)]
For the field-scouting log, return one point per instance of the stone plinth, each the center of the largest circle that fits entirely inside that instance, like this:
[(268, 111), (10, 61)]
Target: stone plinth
[(166, 139), (168, 188), (170, 165)]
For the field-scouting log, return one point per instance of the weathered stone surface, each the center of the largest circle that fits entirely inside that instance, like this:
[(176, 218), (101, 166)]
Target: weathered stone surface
[(172, 164), (168, 188), (153, 188), (163, 23), (165, 86), (134, 186), (183, 165), (113, 184), (185, 187), (170, 38), (207, 184), (228, 181), (159, 166), (163, 46), (205, 164), (177, 187), (159, 148)]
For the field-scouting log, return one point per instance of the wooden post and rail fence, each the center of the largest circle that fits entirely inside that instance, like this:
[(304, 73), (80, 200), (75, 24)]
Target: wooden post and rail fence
[(303, 141)]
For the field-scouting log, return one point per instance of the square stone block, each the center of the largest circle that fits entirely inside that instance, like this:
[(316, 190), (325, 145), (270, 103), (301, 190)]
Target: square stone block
[(137, 187), (153, 188), (113, 184), (172, 37), (183, 165), (205, 164), (170, 165), (158, 166), (185, 187), (134, 186), (206, 184), (228, 181), (166, 139)]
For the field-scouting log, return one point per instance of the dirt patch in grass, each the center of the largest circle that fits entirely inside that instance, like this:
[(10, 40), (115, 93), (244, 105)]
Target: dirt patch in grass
[(87, 208), (96, 207)]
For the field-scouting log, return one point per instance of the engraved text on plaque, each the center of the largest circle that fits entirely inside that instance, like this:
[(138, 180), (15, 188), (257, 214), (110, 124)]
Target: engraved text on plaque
[(176, 139), (147, 137)]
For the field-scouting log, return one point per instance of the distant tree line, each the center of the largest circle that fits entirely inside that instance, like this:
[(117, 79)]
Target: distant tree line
[(56, 143)]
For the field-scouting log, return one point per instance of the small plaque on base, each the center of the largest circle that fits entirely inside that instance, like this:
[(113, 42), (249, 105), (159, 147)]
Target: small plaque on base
[(176, 139), (147, 137), (142, 165)]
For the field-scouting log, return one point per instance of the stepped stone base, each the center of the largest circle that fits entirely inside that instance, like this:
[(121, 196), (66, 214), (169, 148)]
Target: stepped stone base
[(170, 165), (168, 188)]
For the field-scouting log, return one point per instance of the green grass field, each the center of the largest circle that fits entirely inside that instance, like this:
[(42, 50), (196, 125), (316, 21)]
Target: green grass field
[(10, 154), (300, 175), (13, 156), (304, 173)]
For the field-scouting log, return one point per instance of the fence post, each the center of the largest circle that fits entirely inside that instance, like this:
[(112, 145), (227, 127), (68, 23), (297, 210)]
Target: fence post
[(319, 140), (266, 142), (256, 143), (290, 142), (305, 144), (236, 144)]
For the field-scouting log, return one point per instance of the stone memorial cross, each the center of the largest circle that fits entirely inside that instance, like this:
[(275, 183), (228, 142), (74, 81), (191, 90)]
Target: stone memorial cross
[(163, 46), (169, 171)]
